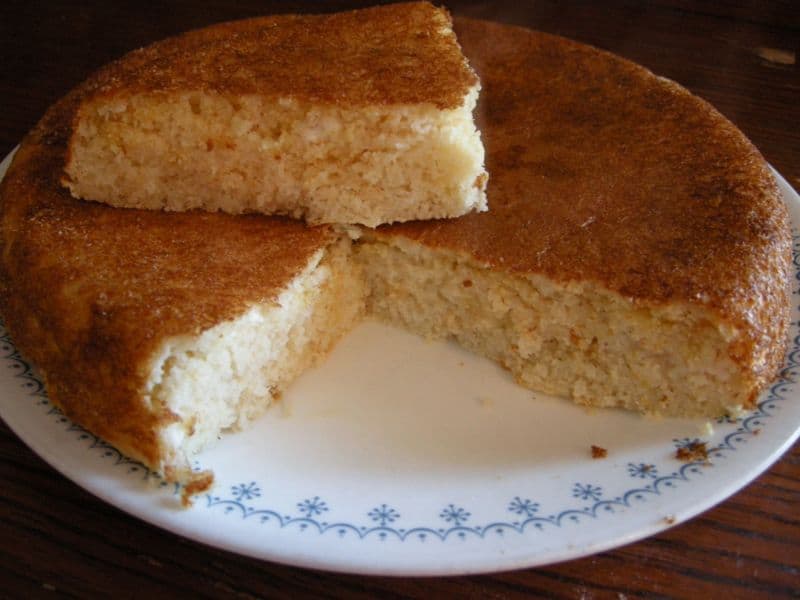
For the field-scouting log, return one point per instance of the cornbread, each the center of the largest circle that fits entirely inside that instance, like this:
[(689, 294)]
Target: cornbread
[(636, 255), (359, 117)]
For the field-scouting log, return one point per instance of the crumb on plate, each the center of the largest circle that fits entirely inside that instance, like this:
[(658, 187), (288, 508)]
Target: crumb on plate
[(692, 452)]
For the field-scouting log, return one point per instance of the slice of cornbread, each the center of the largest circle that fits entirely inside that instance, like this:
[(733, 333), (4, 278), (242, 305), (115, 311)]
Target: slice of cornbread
[(359, 117)]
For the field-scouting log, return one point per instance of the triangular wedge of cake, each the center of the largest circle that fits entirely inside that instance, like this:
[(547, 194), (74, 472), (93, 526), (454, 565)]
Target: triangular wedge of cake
[(357, 117)]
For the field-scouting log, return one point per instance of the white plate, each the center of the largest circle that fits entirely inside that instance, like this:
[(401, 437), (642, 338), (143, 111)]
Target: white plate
[(400, 456)]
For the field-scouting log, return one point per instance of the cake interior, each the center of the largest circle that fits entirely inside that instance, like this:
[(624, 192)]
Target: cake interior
[(367, 165), (574, 340)]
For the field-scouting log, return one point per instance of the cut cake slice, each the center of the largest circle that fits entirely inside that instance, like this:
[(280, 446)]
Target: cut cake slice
[(358, 117)]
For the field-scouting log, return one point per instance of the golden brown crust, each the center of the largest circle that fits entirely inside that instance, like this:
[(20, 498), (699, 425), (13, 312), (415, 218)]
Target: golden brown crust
[(601, 171), (90, 292), (395, 54)]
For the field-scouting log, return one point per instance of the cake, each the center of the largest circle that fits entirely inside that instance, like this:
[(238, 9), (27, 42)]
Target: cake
[(636, 255), (357, 117)]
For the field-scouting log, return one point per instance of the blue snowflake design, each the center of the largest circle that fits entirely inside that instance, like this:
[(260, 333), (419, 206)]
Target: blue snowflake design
[(455, 515), (386, 521), (587, 491), (246, 491), (523, 507), (642, 471), (383, 514), (312, 507)]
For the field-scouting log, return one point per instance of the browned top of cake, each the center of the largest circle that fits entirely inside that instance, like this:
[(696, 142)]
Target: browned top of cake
[(600, 171), (395, 54), (89, 291)]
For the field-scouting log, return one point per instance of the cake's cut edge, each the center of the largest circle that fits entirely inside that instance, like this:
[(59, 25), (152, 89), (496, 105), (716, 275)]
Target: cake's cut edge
[(162, 129), (323, 164), (572, 339), (224, 377)]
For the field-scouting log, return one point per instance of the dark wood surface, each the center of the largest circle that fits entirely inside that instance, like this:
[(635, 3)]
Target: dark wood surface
[(56, 538)]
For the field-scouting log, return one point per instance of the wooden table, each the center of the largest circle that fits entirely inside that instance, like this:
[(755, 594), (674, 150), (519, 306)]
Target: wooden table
[(55, 537)]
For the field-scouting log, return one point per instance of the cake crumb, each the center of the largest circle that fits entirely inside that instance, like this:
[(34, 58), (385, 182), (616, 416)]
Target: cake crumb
[(669, 519), (695, 451), (598, 452)]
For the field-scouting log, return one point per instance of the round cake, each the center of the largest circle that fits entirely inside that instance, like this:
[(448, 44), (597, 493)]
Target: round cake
[(635, 254)]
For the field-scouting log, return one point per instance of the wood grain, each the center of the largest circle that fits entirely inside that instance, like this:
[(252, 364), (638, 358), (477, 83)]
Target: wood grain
[(55, 538)]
